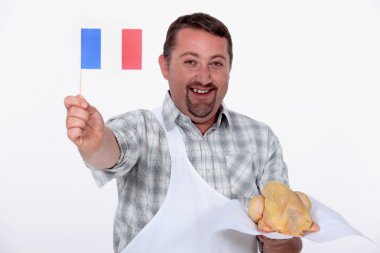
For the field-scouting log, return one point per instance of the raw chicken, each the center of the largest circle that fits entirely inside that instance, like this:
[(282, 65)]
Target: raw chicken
[(279, 209)]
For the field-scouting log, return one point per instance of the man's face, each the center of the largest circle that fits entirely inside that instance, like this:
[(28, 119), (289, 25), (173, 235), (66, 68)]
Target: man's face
[(198, 74)]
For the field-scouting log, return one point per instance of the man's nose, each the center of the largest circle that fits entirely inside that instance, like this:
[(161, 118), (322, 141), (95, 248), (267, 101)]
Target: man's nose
[(204, 75)]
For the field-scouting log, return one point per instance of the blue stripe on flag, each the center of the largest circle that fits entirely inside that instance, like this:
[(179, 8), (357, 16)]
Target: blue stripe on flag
[(90, 48)]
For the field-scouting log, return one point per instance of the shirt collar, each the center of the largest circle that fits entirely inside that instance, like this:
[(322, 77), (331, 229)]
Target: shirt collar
[(223, 116), (172, 114)]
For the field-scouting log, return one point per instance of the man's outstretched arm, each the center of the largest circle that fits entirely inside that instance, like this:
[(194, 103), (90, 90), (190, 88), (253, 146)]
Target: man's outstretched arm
[(86, 129)]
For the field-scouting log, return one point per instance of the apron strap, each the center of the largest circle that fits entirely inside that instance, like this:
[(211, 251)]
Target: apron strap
[(174, 136)]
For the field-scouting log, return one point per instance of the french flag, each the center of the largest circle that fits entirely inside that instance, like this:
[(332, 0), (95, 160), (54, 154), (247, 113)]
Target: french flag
[(131, 48), (90, 48)]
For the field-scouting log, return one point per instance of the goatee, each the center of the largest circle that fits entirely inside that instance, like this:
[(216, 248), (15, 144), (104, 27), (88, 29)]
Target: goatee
[(202, 109)]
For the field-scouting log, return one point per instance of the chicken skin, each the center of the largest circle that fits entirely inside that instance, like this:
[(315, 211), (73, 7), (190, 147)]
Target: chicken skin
[(279, 209)]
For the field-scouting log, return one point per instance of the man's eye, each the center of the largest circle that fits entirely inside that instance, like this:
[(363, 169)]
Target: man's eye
[(217, 64), (190, 62)]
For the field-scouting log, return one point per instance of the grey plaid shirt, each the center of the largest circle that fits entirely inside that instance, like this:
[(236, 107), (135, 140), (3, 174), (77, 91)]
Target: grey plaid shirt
[(236, 156)]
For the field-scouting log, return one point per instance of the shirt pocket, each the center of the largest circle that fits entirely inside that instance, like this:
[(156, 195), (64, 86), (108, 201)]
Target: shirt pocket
[(243, 176)]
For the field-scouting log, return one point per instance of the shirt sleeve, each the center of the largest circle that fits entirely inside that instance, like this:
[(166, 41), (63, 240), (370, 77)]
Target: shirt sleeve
[(275, 168), (126, 131)]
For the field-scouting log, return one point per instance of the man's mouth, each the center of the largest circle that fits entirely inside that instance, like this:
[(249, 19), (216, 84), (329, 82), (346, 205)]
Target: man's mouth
[(199, 91)]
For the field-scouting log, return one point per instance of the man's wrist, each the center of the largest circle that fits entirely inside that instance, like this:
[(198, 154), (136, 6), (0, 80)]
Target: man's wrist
[(293, 245)]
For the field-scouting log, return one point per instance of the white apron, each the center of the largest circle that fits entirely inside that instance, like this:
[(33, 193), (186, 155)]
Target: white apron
[(188, 199)]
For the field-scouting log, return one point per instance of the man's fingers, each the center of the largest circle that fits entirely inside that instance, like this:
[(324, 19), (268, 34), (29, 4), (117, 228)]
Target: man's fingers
[(73, 122), (91, 110), (264, 227), (314, 228), (75, 134), (77, 112), (77, 101)]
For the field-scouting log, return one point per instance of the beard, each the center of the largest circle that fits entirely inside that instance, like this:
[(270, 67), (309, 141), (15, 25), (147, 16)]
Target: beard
[(201, 109)]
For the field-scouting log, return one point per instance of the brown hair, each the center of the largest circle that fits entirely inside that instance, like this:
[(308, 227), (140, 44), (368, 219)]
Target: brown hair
[(201, 21)]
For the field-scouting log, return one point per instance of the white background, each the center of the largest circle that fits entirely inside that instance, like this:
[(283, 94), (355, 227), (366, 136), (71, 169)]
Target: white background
[(309, 69)]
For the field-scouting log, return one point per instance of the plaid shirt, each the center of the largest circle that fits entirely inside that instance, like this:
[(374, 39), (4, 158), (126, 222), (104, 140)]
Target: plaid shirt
[(236, 156)]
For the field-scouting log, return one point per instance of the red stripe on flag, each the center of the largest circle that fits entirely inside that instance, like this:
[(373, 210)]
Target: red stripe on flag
[(131, 49)]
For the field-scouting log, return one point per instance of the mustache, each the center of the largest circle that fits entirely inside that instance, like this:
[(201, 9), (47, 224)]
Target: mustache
[(197, 84)]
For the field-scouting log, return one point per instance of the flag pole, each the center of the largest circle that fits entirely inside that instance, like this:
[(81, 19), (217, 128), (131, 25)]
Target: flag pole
[(80, 82)]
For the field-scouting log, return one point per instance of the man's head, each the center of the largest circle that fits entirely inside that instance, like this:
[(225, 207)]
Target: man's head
[(201, 21), (196, 62)]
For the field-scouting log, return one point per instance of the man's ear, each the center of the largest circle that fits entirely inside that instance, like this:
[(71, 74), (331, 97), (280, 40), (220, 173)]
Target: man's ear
[(163, 66)]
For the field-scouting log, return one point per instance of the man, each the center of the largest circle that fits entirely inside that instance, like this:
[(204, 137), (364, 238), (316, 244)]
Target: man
[(234, 154)]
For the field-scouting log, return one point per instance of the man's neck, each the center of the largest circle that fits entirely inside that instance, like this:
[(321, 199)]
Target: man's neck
[(204, 126)]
